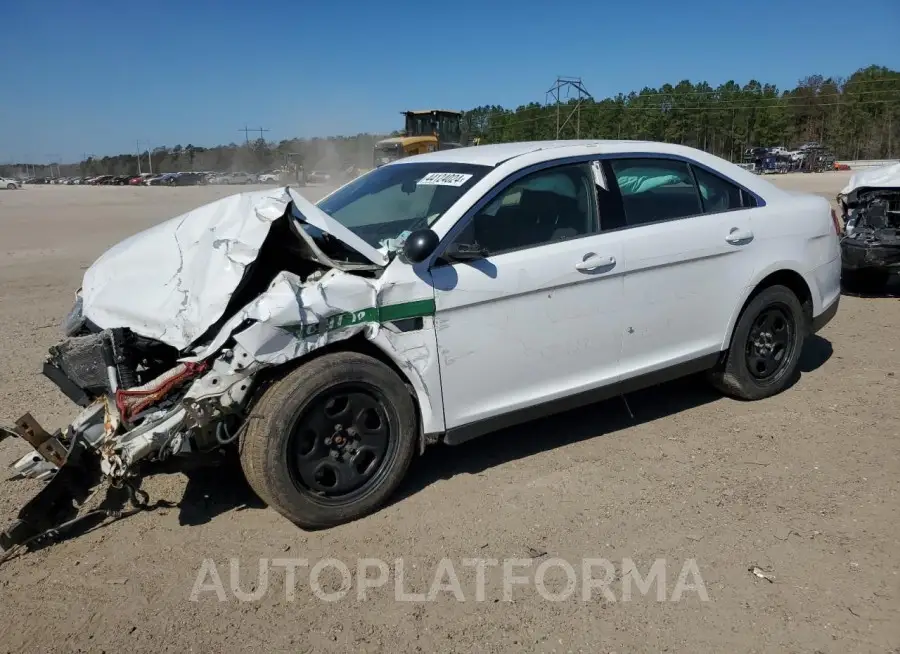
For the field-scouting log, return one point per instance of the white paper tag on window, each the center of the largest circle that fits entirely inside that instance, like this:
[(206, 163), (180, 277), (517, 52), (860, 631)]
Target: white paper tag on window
[(444, 179), (599, 179)]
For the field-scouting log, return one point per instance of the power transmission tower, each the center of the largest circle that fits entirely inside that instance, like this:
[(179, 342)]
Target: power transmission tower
[(246, 130), (555, 94)]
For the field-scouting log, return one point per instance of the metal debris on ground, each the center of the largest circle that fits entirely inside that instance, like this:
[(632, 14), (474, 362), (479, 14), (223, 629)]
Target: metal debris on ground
[(762, 574)]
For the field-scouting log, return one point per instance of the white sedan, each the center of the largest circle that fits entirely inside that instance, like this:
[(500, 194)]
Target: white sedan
[(9, 183), (435, 299)]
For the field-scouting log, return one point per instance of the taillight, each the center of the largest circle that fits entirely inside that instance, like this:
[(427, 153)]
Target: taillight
[(836, 221)]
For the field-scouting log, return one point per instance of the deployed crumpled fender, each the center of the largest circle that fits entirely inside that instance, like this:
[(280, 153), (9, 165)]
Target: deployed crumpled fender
[(173, 281), (293, 318)]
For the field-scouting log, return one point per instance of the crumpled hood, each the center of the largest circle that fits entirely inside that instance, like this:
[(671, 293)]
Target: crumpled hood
[(173, 281), (884, 177)]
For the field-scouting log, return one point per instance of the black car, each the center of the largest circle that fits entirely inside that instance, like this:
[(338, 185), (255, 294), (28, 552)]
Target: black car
[(190, 179)]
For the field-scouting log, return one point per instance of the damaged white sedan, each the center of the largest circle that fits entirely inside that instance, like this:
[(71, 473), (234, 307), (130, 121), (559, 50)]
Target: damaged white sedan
[(871, 244), (431, 300)]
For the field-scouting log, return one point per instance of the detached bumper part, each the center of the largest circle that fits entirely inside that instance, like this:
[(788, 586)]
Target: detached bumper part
[(73, 472)]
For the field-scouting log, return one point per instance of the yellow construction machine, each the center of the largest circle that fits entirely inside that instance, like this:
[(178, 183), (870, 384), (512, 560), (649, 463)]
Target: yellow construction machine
[(426, 130)]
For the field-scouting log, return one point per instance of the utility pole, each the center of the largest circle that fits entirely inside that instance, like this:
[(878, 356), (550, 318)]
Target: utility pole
[(246, 130), (890, 134), (137, 144), (149, 157), (554, 94)]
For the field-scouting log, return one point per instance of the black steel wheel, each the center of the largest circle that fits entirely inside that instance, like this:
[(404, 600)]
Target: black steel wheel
[(764, 356), (770, 342), (339, 443), (332, 439)]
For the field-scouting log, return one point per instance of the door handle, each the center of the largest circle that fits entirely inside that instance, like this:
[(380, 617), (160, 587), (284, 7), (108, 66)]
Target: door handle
[(739, 236), (593, 261)]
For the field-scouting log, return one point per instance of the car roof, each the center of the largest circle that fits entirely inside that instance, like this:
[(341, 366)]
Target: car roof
[(494, 154), (511, 156)]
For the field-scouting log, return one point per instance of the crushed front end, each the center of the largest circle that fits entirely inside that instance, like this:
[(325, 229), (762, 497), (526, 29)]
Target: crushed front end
[(170, 332), (139, 402), (872, 231), (870, 247)]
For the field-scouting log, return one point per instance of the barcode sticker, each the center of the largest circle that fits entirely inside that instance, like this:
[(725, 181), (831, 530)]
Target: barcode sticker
[(444, 179)]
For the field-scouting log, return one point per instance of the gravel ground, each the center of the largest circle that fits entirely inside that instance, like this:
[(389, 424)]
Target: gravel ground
[(803, 485)]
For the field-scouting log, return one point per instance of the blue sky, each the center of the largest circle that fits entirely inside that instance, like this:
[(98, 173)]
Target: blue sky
[(93, 76)]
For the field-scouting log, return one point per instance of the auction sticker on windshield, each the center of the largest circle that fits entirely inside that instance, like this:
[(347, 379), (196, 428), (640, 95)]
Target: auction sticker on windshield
[(445, 179)]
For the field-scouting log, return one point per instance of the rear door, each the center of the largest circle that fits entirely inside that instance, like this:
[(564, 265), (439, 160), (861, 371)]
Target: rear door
[(539, 317), (689, 245)]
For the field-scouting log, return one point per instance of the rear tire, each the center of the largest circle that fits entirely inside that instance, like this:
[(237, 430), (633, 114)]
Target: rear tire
[(764, 354), (331, 441)]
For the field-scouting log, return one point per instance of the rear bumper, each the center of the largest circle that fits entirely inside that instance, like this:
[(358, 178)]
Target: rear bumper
[(818, 322)]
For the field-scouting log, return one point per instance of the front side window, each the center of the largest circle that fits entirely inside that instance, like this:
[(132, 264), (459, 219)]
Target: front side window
[(540, 208), (656, 189), (382, 204)]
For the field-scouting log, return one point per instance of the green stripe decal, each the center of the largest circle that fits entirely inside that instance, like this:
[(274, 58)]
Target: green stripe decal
[(402, 311)]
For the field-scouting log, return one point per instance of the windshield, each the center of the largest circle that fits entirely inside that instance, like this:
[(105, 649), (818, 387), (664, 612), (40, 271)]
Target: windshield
[(388, 201)]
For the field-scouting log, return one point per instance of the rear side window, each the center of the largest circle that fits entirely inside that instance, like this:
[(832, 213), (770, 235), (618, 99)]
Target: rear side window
[(656, 189), (716, 193)]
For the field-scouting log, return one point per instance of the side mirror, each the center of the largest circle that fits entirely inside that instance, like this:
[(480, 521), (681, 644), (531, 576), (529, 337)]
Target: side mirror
[(465, 252), (419, 245)]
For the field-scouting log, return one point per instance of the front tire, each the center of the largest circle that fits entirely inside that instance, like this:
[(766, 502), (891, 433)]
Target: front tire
[(764, 355), (330, 441), (11, 187)]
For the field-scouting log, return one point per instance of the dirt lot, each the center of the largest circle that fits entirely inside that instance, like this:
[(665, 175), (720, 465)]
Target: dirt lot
[(804, 485)]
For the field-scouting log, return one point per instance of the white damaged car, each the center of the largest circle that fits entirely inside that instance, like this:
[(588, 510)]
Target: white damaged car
[(434, 299)]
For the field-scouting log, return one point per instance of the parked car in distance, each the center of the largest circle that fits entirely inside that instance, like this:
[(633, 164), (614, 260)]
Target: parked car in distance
[(138, 180), (166, 179), (232, 178), (190, 179), (10, 184), (317, 177)]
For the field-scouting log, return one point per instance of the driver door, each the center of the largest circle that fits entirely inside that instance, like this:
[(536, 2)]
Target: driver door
[(538, 318)]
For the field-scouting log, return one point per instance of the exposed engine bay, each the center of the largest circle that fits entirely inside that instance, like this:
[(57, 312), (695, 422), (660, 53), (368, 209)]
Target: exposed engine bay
[(871, 207), (172, 331)]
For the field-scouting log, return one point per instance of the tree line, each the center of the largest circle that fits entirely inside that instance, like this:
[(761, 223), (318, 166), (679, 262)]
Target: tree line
[(857, 117)]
